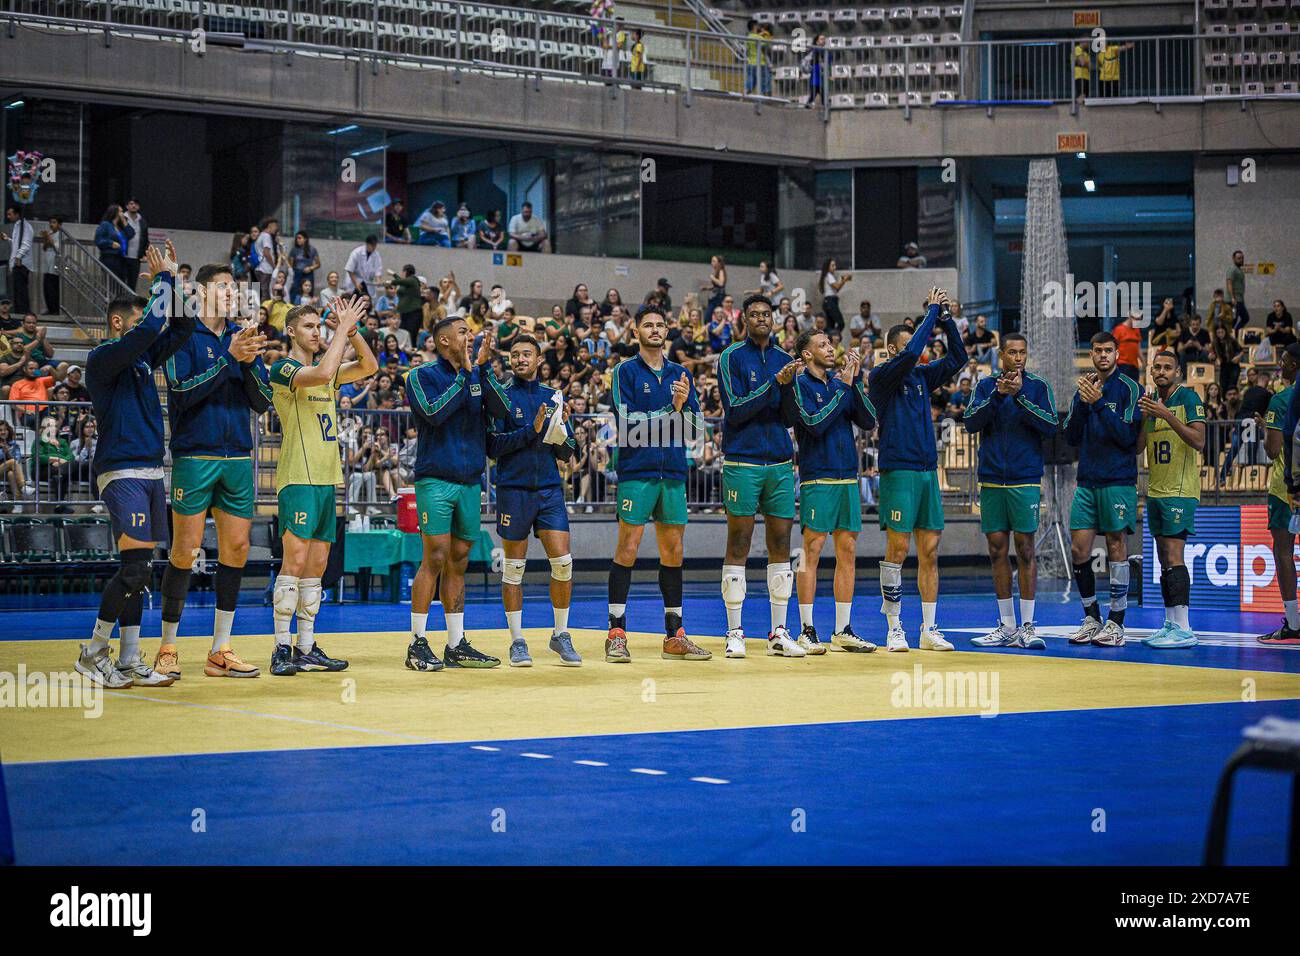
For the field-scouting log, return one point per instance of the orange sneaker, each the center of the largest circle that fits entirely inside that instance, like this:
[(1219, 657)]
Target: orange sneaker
[(226, 663), (681, 648), (616, 647), (167, 662)]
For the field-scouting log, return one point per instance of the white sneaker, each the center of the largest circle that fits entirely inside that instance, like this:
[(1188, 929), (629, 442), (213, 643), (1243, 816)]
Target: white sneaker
[(99, 668), (736, 643), (932, 639), (1027, 637), (896, 640), (781, 644), (1087, 631), (810, 642), (851, 642), (1110, 635), (141, 674), (998, 637)]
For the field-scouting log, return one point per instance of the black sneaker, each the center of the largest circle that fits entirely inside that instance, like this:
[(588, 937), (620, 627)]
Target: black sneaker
[(462, 655), (317, 660), (282, 662), (420, 656), (1283, 635)]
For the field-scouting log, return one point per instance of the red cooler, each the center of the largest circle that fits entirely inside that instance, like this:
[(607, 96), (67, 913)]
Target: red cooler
[(408, 514)]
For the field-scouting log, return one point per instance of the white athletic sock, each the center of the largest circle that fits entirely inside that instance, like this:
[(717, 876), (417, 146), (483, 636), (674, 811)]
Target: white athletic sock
[(894, 619), (1027, 610), (779, 606), (842, 610), (99, 638), (222, 625), (169, 629), (130, 642), (1007, 612), (515, 620), (283, 620), (308, 595), (805, 615), (733, 613), (455, 628), (418, 623), (927, 614), (617, 610), (1292, 609), (1179, 616), (561, 619)]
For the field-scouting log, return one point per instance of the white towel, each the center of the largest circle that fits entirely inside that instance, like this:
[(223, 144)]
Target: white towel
[(556, 434)]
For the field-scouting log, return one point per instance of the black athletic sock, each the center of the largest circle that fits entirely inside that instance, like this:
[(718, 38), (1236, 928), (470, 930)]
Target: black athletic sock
[(620, 582), (1180, 586), (135, 563), (670, 586), (1086, 581), (175, 586), (227, 586)]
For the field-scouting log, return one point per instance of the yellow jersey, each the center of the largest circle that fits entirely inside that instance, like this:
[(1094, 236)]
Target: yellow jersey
[(1277, 406), (309, 449), (1173, 466)]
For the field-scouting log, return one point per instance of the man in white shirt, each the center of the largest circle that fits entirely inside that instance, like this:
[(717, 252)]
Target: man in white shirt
[(22, 258), (528, 232), (136, 245), (268, 251), (364, 272)]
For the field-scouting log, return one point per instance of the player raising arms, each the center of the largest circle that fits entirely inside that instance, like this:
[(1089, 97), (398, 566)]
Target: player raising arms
[(213, 381), (1279, 501), (656, 407), (824, 408), (1105, 424), (454, 400), (530, 497), (758, 475), (128, 464), (909, 484), (1175, 436), (1012, 412), (308, 471)]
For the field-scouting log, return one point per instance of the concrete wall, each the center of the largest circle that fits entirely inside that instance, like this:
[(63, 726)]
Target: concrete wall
[(1258, 218), (545, 279)]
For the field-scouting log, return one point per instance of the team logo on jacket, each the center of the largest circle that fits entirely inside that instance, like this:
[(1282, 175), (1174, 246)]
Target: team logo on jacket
[(1113, 407), (819, 399), (519, 413), (475, 389), (753, 376), (645, 387), (210, 355)]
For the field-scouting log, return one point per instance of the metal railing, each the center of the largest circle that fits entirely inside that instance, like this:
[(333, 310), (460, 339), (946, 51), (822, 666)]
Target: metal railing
[(861, 66), (1235, 467), (86, 287)]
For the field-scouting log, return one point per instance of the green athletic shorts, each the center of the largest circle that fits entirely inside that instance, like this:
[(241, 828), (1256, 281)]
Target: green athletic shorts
[(1171, 517), (222, 483), (1112, 508), (307, 511), (826, 506), (448, 507), (663, 502), (909, 500), (1279, 514), (765, 489), (1009, 508)]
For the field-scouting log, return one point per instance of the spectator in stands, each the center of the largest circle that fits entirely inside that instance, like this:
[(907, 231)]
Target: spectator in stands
[(497, 303), (528, 232), (1236, 286), (1281, 328), (491, 234), (1254, 402), (611, 302), (51, 248), (33, 334), (690, 352), (9, 322), (396, 228), (911, 257), (1166, 329), (241, 256), (1108, 67), (1082, 68), (268, 254), (1215, 410), (1128, 341), (982, 342), (22, 257), (867, 324), (111, 238), (304, 261), (434, 228), (814, 62), (307, 294), (663, 287), (769, 284), (581, 297), (1226, 350), (828, 286), (34, 384), (386, 304), (136, 244), (392, 325), (1220, 313), (11, 466), (637, 64), (959, 399), (758, 74), (77, 390), (83, 448), (53, 463), (408, 302), (331, 291), (364, 269), (1193, 344), (464, 231)]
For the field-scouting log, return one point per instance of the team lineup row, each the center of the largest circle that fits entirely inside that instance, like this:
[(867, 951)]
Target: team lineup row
[(464, 415)]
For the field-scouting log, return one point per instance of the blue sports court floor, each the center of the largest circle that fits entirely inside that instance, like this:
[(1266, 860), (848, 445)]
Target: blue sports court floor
[(1085, 756)]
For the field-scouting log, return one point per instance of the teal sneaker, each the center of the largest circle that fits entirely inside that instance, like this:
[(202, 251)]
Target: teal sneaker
[(562, 644), (519, 656), (1171, 637)]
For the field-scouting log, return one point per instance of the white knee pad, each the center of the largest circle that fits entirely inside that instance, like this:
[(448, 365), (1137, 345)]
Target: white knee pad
[(780, 581), (562, 567), (733, 586), (309, 591), (285, 601), (512, 570)]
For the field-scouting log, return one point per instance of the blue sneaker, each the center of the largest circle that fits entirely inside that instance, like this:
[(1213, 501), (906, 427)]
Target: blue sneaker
[(1171, 637), (562, 644), (519, 656)]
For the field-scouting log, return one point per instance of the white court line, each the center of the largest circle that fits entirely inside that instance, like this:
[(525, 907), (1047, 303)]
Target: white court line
[(537, 756), (488, 749), (645, 770), (709, 780), (591, 763)]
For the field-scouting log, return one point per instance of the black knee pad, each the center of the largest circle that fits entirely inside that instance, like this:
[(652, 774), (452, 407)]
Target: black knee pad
[(135, 572), (1180, 586), (175, 586)]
